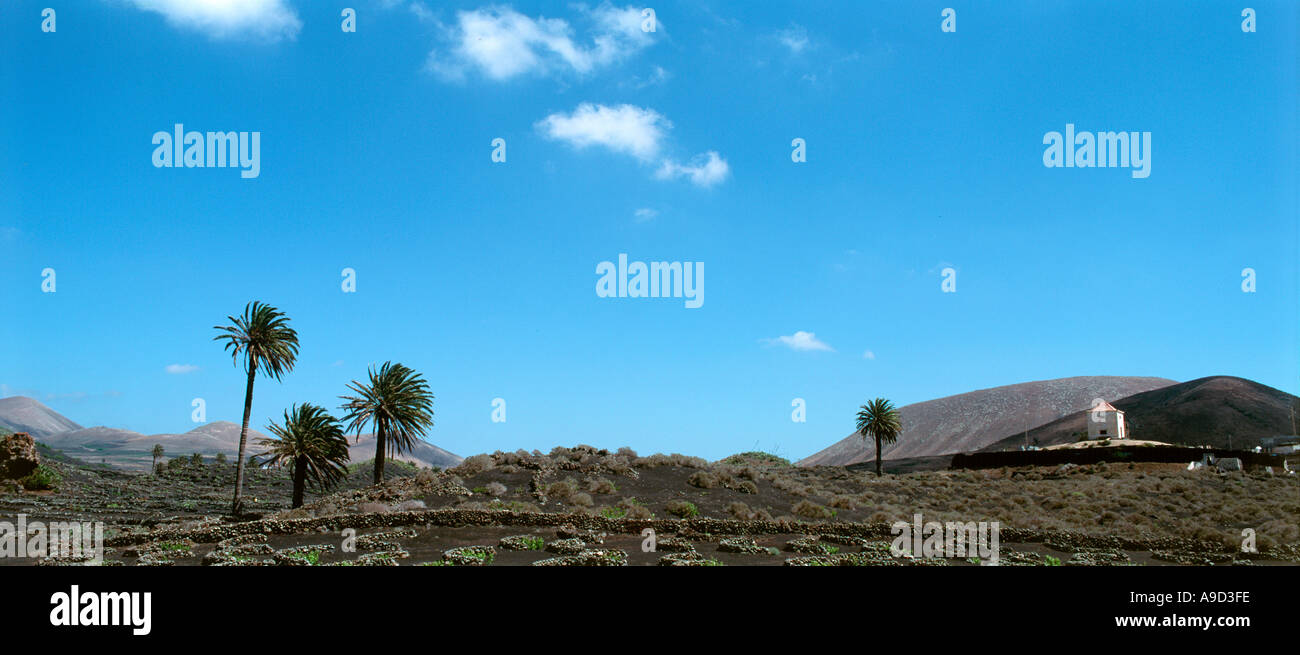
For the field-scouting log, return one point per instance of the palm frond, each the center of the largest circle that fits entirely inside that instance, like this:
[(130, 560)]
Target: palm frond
[(397, 398), (879, 418), (309, 437), (263, 336)]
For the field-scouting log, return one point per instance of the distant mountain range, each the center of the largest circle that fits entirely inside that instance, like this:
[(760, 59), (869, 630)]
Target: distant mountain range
[(23, 414), (129, 449), (1218, 411), (971, 421)]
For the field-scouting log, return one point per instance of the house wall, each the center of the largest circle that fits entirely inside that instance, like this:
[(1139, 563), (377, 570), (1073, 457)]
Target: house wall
[(1111, 422)]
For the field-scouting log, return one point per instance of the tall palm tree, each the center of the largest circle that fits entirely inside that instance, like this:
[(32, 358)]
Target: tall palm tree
[(158, 452), (312, 442), (397, 401), (263, 336), (879, 419)]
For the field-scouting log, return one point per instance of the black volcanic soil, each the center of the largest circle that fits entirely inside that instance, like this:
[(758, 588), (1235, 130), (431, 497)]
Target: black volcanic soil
[(1129, 513)]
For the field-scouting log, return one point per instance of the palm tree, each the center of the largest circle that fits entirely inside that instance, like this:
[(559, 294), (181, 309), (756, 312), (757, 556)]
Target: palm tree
[(398, 402), (263, 336), (157, 454), (312, 442), (879, 419)]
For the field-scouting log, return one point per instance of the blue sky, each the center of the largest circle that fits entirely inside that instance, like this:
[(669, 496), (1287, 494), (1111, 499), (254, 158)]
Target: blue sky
[(924, 152)]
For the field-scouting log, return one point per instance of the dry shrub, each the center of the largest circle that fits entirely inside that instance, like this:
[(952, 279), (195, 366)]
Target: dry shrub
[(703, 480), (496, 488), (559, 490), (659, 459), (842, 502), (580, 499), (810, 510), (740, 511), (473, 465), (681, 509), (601, 486), (793, 487), (638, 512)]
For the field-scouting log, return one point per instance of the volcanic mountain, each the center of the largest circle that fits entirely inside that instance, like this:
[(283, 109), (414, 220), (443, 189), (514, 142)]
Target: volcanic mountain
[(134, 450), (1201, 412), (23, 414), (973, 420)]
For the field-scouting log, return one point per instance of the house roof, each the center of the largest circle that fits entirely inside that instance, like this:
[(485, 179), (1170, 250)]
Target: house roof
[(1104, 406)]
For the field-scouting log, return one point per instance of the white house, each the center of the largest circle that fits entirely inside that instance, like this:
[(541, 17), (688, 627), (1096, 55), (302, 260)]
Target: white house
[(1106, 422)]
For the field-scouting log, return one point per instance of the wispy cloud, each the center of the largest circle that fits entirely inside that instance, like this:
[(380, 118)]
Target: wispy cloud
[(795, 38), (703, 170), (501, 43), (645, 214), (625, 128), (632, 130), (800, 341), (181, 369), (268, 20), (868, 355)]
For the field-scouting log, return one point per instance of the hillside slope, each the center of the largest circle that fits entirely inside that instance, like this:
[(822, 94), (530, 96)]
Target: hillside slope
[(1196, 413), (23, 414), (973, 420), (133, 450)]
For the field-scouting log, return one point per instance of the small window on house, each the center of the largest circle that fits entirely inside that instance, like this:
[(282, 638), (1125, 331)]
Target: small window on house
[(1103, 432)]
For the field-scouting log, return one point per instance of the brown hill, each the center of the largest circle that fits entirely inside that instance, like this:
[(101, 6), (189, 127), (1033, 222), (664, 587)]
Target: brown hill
[(973, 420), (23, 414), (133, 450), (1201, 412)]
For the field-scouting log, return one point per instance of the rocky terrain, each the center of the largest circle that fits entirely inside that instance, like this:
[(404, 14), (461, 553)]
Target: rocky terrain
[(973, 420), (584, 506)]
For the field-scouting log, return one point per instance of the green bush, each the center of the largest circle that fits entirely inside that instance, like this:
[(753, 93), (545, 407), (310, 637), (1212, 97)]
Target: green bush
[(41, 479), (682, 508)]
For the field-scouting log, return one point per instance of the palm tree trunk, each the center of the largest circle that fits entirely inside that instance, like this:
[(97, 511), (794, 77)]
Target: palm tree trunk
[(243, 441), (299, 480), (878, 456), (379, 451)]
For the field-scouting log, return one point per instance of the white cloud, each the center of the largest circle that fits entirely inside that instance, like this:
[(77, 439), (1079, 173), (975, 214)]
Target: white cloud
[(703, 170), (181, 369), (502, 43), (627, 129), (635, 131), (262, 19), (795, 38), (421, 11), (868, 355), (645, 214), (801, 341)]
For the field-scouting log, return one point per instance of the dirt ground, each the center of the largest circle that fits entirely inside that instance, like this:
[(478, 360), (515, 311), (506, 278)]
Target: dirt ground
[(1128, 514)]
